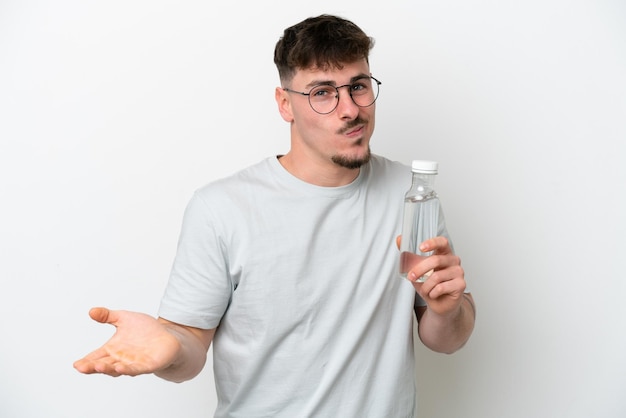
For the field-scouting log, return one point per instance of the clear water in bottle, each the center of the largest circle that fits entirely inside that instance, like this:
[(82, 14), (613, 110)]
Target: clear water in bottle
[(421, 221)]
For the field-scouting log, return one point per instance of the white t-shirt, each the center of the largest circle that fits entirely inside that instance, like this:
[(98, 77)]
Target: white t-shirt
[(302, 282)]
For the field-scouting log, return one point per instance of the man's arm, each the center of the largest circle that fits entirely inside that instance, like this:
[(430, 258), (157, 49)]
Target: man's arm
[(143, 344), (448, 333), (194, 344)]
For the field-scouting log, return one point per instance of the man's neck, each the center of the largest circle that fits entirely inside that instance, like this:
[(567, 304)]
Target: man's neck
[(324, 174)]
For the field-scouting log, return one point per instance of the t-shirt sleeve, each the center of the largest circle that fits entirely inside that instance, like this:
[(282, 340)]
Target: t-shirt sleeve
[(199, 288)]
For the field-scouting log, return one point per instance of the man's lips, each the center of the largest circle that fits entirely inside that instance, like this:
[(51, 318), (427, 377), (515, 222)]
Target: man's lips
[(354, 131)]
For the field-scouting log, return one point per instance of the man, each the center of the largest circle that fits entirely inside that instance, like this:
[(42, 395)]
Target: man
[(290, 267)]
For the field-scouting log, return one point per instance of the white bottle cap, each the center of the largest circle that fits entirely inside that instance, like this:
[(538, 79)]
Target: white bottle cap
[(424, 166)]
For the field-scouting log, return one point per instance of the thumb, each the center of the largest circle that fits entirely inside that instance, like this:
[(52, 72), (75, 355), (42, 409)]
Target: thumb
[(102, 315), (398, 240)]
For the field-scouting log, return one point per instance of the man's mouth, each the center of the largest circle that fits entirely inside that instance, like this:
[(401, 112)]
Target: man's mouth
[(354, 131), (354, 127)]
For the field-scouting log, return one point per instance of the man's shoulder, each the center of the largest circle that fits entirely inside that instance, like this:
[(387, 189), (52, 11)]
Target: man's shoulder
[(382, 165), (249, 175)]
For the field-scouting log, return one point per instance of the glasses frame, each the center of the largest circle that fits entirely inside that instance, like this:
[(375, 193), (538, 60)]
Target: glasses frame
[(308, 95)]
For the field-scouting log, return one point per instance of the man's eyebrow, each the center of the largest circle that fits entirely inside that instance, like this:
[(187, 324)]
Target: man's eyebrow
[(359, 77), (318, 82), (314, 83)]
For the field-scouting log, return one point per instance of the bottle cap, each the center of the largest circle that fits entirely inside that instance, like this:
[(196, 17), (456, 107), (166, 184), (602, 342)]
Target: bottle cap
[(424, 166)]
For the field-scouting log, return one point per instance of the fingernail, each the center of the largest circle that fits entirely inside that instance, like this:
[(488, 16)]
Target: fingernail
[(425, 276), (412, 276)]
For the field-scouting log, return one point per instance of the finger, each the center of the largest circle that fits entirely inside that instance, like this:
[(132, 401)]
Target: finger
[(129, 369), (96, 355), (437, 263), (440, 245), (87, 363), (450, 280), (425, 290), (415, 277), (442, 282), (84, 366), (108, 368), (447, 272), (107, 364), (102, 315), (453, 288), (398, 241), (90, 366)]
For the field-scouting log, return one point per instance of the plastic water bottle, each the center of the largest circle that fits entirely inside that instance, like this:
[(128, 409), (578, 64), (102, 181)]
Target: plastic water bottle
[(421, 215)]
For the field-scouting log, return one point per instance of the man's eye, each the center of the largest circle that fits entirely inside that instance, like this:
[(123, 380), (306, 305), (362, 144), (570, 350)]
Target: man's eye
[(323, 92)]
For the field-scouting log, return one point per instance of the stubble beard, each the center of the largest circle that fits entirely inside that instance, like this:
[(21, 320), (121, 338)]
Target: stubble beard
[(352, 162)]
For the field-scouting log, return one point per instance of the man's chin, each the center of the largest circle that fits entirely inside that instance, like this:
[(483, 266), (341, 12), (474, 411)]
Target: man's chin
[(352, 162)]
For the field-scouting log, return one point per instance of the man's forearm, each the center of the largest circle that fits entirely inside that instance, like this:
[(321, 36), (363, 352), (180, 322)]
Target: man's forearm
[(447, 334), (191, 356)]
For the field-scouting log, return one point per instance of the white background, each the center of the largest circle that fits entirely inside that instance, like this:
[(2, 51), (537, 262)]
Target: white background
[(112, 113)]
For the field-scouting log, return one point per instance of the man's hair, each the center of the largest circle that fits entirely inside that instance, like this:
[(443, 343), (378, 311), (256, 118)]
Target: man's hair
[(322, 42)]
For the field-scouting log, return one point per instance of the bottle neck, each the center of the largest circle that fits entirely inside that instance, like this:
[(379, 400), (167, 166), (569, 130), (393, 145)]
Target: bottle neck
[(422, 188), (423, 181)]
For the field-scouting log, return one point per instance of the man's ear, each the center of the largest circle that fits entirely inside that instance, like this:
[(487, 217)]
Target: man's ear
[(284, 104)]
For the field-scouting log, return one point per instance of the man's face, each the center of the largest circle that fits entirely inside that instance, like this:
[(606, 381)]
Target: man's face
[(341, 137)]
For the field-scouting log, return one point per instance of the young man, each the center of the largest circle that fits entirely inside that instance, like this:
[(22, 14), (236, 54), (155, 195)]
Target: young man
[(289, 267)]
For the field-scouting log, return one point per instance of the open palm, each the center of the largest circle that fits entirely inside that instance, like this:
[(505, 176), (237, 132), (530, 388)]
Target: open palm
[(141, 344)]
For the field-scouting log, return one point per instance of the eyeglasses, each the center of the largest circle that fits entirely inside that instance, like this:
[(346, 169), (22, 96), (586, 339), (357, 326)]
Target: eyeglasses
[(324, 98)]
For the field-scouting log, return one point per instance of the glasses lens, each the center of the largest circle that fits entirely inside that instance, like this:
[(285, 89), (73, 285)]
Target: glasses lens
[(323, 99), (364, 92)]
